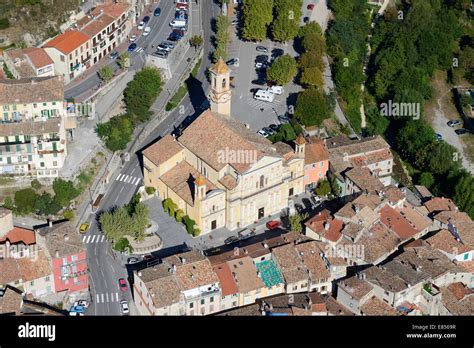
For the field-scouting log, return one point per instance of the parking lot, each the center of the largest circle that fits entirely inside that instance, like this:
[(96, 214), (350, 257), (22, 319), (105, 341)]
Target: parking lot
[(245, 108)]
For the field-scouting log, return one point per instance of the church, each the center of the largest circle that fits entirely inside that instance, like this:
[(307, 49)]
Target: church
[(221, 173)]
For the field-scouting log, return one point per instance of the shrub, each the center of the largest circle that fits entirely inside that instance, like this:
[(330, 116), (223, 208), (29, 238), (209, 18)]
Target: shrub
[(189, 223), (36, 184), (169, 206), (179, 215), (150, 190), (123, 245), (9, 203), (69, 215), (197, 232), (25, 200)]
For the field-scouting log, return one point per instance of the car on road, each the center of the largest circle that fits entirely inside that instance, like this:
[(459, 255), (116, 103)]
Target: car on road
[(259, 82), (174, 37), (114, 55), (273, 224), (233, 61), (124, 307), (148, 257), (231, 239), (316, 200), (132, 47), (83, 228), (453, 123), (81, 303), (262, 58), (274, 127), (261, 49), (123, 284), (263, 133), (162, 47), (461, 131), (147, 31), (177, 23), (141, 25), (161, 54), (180, 31), (157, 12), (146, 19), (277, 52), (246, 234), (438, 137), (132, 260), (133, 38)]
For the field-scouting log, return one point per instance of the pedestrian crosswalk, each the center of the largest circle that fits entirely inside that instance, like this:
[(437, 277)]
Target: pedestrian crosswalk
[(96, 238), (107, 297), (128, 179), (258, 104)]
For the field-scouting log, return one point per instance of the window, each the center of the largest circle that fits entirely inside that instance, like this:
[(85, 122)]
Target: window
[(191, 305), (466, 256), (262, 181), (321, 164), (211, 299), (47, 279), (62, 58), (224, 83), (202, 302), (32, 283)]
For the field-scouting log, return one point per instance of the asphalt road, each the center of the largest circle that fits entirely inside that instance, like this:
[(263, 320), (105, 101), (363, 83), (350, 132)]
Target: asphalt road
[(106, 266), (159, 32)]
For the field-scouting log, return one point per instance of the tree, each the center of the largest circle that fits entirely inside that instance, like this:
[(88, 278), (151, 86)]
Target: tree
[(189, 223), (179, 215), (287, 15), (414, 135), (311, 107), (463, 194), (221, 38), (124, 60), (296, 222), (25, 201), (376, 123), (8, 204), (324, 188), (282, 70), (141, 220), (444, 158), (106, 73), (116, 133), (426, 179), (311, 27), (313, 41), (312, 77), (65, 191), (196, 41), (46, 205), (256, 17)]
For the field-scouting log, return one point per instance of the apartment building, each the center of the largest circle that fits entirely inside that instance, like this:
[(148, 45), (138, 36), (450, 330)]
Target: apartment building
[(372, 153), (32, 132), (222, 174), (316, 162), (28, 62)]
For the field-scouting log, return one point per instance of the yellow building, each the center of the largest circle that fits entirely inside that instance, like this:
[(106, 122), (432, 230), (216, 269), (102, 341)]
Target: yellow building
[(222, 174)]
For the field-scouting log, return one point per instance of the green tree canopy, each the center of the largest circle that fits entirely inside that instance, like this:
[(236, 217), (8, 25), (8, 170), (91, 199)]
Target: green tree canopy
[(65, 191), (282, 70), (256, 17), (25, 201), (311, 107)]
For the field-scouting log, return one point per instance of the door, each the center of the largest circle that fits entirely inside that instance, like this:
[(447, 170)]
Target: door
[(213, 224), (261, 213), (291, 192)]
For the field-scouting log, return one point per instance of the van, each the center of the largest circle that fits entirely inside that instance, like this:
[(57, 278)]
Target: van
[(276, 90), (177, 23), (266, 96)]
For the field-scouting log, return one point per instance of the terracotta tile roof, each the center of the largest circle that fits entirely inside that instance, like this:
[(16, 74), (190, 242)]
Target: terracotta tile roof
[(356, 287), (453, 215), (68, 41), (220, 67), (20, 235), (181, 179), (162, 285), (464, 230), (32, 90), (62, 240), (423, 192), (315, 151), (290, 264), (363, 179), (300, 139), (93, 26), (326, 226), (458, 299), (350, 209), (375, 306), (52, 125), (226, 280), (439, 204), (314, 263), (397, 223), (419, 221), (32, 269), (393, 194), (112, 9), (162, 150), (385, 279), (228, 181), (195, 274), (445, 241), (9, 271), (336, 308), (245, 275), (27, 60), (10, 302), (366, 160), (211, 134)]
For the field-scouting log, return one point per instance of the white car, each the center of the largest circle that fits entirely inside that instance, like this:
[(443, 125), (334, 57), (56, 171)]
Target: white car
[(133, 38), (263, 133), (146, 31), (141, 25), (81, 303), (276, 90), (124, 307)]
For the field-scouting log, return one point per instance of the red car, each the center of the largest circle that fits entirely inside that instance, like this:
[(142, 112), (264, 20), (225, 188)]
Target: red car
[(271, 225), (310, 6), (123, 284)]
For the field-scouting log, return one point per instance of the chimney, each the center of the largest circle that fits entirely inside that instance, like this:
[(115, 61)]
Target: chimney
[(139, 274), (50, 223), (56, 254), (183, 260), (326, 225), (66, 237)]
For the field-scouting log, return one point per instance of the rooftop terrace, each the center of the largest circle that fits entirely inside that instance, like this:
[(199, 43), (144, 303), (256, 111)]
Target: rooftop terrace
[(269, 273)]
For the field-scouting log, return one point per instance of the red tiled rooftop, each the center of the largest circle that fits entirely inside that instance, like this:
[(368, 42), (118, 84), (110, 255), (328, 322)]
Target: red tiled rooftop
[(228, 285), (397, 223), (68, 41), (18, 234)]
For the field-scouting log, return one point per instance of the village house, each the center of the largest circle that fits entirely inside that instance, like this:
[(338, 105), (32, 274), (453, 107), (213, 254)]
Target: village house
[(28, 62)]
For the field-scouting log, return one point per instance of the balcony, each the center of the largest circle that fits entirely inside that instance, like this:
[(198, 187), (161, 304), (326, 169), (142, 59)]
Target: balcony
[(430, 291)]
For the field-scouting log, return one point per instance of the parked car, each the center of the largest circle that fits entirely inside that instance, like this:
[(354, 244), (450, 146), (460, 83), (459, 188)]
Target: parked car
[(83, 228), (277, 52), (77, 309), (438, 137), (310, 7), (234, 62), (132, 47), (147, 31), (81, 303), (260, 65), (177, 23), (74, 314), (268, 130), (316, 200), (124, 307), (453, 123), (461, 131), (265, 96), (263, 133), (114, 55), (146, 19), (261, 49), (168, 44), (273, 224), (246, 234), (148, 257), (141, 25), (276, 90), (157, 12), (284, 119), (259, 82), (274, 127), (132, 260), (161, 54), (230, 240), (123, 284), (133, 38), (262, 58), (174, 37)]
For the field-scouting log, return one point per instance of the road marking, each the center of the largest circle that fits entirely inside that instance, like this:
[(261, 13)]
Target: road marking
[(130, 179), (116, 296), (138, 181), (98, 299), (88, 237), (102, 298), (107, 297), (92, 240), (125, 177), (118, 178), (102, 239)]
